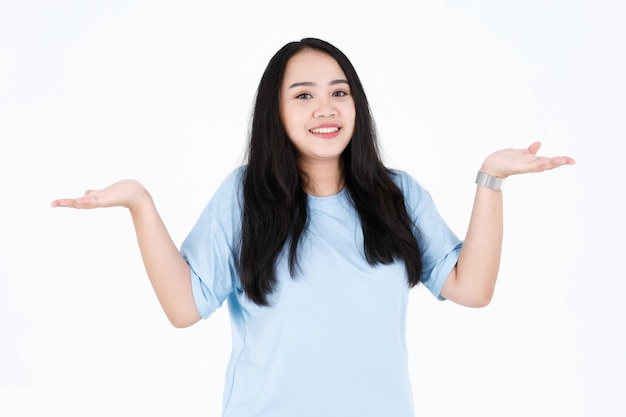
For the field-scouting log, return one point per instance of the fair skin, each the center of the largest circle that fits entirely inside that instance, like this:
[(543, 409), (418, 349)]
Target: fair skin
[(318, 114), (168, 272), (472, 282)]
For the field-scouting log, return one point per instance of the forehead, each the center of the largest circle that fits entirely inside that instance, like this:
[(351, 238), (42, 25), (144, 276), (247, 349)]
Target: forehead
[(311, 65)]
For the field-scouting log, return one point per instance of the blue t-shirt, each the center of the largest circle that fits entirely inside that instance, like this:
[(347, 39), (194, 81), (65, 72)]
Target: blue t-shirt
[(333, 341)]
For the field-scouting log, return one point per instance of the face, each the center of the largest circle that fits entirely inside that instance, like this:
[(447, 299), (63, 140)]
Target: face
[(316, 107)]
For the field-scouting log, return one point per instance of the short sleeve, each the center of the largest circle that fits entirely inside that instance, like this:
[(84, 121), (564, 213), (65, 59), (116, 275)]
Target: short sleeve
[(439, 245), (210, 248)]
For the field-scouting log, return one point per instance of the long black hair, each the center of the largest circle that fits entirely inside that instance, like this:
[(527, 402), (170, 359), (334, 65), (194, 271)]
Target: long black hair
[(275, 201)]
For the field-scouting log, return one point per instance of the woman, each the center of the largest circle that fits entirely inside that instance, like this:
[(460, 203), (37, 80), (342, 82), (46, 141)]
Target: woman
[(315, 244)]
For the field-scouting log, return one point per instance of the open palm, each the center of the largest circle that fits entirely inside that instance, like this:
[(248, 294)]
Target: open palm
[(506, 162), (124, 193)]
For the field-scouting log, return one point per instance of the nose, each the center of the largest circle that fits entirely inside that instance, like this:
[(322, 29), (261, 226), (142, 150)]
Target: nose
[(325, 108)]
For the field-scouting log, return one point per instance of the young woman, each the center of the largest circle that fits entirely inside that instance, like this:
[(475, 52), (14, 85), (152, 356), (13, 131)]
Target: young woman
[(315, 245)]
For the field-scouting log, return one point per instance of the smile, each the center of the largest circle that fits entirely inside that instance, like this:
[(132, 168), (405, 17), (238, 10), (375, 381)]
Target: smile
[(324, 130)]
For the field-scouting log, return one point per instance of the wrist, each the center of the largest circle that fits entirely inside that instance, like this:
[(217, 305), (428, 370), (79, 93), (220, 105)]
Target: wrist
[(141, 202), (489, 181)]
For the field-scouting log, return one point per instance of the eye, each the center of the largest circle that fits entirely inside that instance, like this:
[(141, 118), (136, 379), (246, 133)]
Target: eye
[(340, 93), (304, 96)]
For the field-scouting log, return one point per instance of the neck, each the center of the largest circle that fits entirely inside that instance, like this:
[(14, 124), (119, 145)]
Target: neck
[(323, 179)]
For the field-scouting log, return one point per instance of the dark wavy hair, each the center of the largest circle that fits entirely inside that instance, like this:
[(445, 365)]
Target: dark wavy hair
[(275, 201)]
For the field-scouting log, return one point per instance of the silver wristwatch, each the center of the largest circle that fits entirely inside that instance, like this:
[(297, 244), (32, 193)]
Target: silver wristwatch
[(487, 181)]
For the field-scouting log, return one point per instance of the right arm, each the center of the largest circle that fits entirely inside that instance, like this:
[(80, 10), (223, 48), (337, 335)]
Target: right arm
[(168, 272)]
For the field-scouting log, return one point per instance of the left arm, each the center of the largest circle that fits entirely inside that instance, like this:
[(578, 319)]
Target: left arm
[(472, 281)]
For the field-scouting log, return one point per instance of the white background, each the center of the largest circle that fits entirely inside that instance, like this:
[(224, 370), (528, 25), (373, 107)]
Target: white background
[(93, 92)]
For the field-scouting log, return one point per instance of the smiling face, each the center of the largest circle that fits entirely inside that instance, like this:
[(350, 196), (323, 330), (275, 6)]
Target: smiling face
[(316, 108)]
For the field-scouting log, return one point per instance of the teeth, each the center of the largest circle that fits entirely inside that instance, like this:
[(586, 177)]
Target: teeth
[(325, 130)]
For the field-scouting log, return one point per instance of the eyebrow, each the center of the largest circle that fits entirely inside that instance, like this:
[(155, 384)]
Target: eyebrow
[(312, 84)]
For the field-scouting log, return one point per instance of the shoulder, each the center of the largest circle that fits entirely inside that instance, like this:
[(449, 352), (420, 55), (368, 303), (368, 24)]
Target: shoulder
[(416, 197), (405, 181), (228, 196), (233, 181)]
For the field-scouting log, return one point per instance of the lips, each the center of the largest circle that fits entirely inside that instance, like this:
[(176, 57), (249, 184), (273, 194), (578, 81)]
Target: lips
[(326, 131)]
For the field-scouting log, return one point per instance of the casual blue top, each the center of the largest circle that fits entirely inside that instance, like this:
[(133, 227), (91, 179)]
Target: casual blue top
[(333, 341)]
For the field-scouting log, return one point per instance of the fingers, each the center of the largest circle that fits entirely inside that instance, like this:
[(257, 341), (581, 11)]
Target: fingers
[(63, 202), (558, 161), (88, 201), (567, 160), (534, 147), (544, 163), (78, 203)]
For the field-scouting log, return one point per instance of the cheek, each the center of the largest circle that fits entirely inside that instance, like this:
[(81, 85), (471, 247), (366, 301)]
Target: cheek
[(349, 111), (287, 115), (287, 124), (350, 116)]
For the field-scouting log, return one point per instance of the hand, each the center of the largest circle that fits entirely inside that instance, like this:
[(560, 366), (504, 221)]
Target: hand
[(125, 193), (508, 162)]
